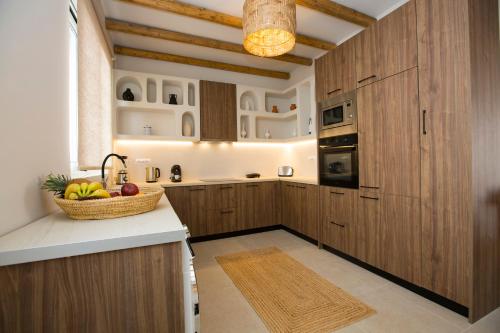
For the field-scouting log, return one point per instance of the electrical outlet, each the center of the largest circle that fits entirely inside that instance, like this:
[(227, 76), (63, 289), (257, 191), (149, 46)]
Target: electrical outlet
[(142, 160), (311, 158)]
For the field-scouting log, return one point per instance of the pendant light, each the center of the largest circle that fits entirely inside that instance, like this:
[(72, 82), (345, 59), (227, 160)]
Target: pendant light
[(269, 27)]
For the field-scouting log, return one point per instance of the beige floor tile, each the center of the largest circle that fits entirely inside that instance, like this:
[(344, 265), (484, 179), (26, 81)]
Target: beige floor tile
[(488, 324)]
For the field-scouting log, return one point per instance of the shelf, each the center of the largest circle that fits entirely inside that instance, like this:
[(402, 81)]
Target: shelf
[(129, 82), (156, 106), (270, 115), (282, 101), (154, 138)]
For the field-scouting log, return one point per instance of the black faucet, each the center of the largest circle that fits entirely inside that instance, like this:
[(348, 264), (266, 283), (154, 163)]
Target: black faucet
[(121, 158)]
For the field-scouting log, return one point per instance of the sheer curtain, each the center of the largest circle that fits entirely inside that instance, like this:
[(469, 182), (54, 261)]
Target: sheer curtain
[(94, 90)]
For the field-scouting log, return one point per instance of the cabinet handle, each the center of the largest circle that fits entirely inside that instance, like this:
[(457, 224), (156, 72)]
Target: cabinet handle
[(339, 193), (290, 185), (196, 189), (252, 185), (227, 211), (373, 187), (365, 197), (337, 224), (368, 78), (424, 125), (300, 186), (226, 187), (334, 91)]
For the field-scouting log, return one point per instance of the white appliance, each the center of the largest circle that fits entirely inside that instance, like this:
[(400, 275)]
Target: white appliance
[(191, 304)]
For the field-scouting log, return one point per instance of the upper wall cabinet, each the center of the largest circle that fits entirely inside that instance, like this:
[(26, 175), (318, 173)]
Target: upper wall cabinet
[(336, 72), (387, 47), (218, 111), (156, 107)]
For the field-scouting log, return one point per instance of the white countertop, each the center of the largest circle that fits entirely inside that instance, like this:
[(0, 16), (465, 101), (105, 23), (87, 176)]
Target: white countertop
[(236, 180), (58, 236)]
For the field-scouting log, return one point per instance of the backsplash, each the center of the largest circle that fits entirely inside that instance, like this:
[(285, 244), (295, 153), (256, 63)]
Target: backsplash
[(215, 160)]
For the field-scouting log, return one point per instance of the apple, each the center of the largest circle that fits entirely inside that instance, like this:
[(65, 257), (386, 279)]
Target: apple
[(129, 190), (115, 194)]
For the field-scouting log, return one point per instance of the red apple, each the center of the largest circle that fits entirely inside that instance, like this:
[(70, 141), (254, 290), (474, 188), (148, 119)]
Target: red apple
[(115, 194), (129, 190)]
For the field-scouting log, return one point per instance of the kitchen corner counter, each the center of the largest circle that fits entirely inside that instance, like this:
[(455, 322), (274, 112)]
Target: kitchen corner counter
[(237, 180), (58, 236)]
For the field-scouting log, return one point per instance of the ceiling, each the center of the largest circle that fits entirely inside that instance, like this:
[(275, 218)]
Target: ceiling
[(309, 22)]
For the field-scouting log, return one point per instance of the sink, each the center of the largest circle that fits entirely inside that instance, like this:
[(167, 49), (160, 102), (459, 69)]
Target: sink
[(218, 180)]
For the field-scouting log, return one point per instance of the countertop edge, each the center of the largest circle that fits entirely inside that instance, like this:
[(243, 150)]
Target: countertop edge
[(197, 182)]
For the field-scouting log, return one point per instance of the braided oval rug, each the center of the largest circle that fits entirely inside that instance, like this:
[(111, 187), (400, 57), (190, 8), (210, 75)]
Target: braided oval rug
[(288, 296)]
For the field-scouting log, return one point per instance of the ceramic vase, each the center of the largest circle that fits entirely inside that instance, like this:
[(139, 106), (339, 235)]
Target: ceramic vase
[(128, 95)]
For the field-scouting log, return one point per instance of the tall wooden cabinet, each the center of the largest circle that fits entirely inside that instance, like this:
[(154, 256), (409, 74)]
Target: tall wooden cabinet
[(218, 111), (459, 85)]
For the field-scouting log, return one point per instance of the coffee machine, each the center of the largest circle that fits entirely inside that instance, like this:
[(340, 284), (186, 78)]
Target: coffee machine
[(176, 174)]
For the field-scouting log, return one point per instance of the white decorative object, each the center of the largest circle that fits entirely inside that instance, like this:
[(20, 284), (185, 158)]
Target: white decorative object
[(187, 129), (294, 132), (268, 134), (243, 131)]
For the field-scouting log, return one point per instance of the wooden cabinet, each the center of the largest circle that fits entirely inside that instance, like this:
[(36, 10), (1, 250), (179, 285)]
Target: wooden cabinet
[(368, 240), (190, 204), (222, 209), (369, 136), (218, 111), (387, 47), (338, 215), (300, 208), (335, 71), (257, 205)]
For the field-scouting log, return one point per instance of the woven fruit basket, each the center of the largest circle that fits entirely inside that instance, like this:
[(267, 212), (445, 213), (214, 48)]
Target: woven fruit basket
[(101, 209)]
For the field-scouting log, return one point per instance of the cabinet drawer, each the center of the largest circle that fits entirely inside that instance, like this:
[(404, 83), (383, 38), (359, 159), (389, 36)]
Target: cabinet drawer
[(221, 196), (222, 220)]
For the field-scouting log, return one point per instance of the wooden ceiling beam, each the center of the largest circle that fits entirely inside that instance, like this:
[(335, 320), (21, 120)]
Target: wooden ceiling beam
[(147, 31), (139, 53), (201, 13), (339, 11)]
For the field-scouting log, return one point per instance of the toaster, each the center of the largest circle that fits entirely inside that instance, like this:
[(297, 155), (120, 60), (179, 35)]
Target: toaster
[(285, 171)]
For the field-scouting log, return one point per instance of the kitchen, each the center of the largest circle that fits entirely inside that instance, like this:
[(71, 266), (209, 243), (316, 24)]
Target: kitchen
[(343, 179)]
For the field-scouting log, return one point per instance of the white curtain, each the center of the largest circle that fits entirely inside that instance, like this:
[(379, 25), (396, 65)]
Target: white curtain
[(94, 90)]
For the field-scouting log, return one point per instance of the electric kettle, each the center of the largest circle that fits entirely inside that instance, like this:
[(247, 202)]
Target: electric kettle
[(152, 174)]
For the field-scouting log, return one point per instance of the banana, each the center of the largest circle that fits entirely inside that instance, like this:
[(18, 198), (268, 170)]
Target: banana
[(94, 187), (72, 188), (100, 194), (73, 196)]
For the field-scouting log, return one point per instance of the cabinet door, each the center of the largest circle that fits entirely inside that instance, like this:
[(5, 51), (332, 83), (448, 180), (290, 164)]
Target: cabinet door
[(369, 135), (397, 34), (367, 56), (222, 220), (266, 201), (289, 204), (189, 203), (368, 228), (338, 218), (344, 71), (322, 68), (306, 202), (248, 205), (400, 237), (218, 111), (221, 196), (446, 152), (400, 126)]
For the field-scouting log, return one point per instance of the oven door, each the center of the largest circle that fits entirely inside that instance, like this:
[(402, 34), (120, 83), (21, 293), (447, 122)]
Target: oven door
[(338, 166)]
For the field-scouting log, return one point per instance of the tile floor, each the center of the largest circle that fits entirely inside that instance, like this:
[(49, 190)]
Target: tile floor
[(224, 309)]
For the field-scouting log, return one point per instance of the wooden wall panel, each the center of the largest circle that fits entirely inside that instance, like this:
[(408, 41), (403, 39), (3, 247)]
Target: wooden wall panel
[(133, 290)]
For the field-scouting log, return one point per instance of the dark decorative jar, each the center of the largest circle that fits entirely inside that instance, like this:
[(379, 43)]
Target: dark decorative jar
[(172, 99), (128, 95)]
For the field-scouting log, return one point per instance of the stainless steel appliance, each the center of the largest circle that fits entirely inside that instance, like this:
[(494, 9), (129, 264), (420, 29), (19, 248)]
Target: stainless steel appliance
[(152, 174), (176, 173), (338, 115), (338, 161), (191, 301), (285, 171)]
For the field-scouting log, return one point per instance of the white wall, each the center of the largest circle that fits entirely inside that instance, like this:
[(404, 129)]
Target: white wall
[(34, 105)]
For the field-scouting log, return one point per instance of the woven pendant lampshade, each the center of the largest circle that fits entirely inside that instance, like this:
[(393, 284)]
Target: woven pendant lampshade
[(269, 27)]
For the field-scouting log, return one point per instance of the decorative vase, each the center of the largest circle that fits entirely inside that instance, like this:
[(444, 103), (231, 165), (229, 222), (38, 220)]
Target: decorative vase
[(275, 109), (268, 134), (128, 95), (172, 99), (294, 132), (243, 132), (293, 107), (187, 129)]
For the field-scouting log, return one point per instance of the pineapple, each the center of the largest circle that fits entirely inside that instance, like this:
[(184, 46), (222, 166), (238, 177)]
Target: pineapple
[(56, 184)]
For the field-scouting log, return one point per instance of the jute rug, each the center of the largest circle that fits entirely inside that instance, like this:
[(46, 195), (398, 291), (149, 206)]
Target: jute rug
[(288, 296)]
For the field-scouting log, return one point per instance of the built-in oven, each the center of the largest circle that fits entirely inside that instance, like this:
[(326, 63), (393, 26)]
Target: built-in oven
[(338, 161), (338, 116)]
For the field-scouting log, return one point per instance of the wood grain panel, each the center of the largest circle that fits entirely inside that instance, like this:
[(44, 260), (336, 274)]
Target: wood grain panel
[(342, 69), (400, 126), (400, 236), (218, 111), (397, 33), (322, 66), (446, 183), (367, 56), (190, 204), (368, 240), (221, 196), (369, 135), (485, 77), (133, 290), (309, 209), (221, 220)]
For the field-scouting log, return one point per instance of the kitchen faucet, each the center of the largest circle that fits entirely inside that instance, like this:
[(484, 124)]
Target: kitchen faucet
[(121, 158)]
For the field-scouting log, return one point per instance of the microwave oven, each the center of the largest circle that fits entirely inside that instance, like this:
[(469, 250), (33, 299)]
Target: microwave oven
[(338, 115)]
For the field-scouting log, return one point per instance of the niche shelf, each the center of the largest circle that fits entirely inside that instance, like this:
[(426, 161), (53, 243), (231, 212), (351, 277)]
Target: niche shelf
[(167, 121), (248, 101), (286, 125), (129, 82)]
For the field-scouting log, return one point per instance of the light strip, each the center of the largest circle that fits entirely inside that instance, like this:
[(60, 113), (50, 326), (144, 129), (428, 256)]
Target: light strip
[(154, 142)]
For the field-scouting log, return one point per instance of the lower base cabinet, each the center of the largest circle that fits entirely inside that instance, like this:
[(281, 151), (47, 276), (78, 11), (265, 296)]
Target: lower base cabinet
[(367, 231), (300, 208), (190, 204)]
